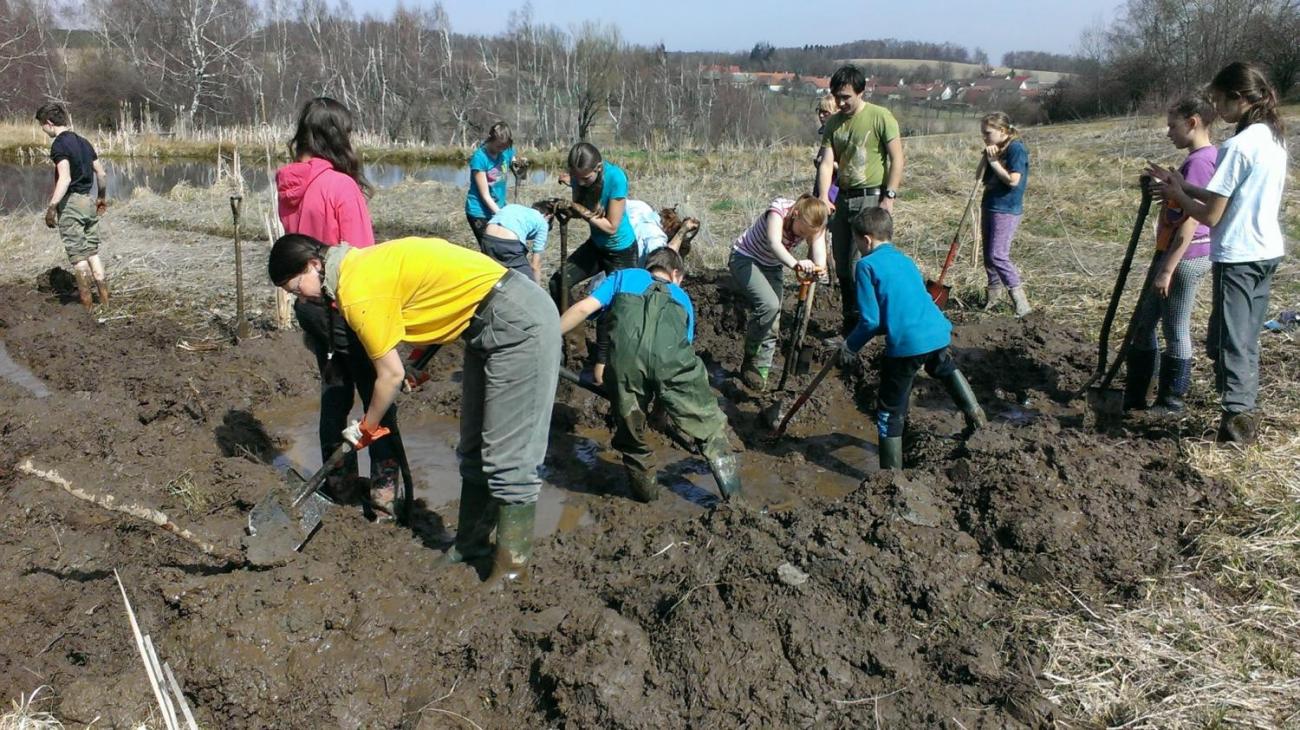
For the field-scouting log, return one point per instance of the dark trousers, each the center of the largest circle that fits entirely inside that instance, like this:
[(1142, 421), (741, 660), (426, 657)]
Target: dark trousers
[(349, 371), (1240, 306), (845, 251), (477, 226), (585, 262), (895, 392)]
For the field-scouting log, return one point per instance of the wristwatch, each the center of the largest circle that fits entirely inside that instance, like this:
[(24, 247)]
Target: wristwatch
[(891, 194)]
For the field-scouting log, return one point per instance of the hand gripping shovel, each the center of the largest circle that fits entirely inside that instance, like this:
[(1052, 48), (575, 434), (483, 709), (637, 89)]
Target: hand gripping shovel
[(1100, 399), (937, 289), (272, 534)]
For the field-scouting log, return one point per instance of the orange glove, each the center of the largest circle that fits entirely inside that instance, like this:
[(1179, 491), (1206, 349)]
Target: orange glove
[(361, 434)]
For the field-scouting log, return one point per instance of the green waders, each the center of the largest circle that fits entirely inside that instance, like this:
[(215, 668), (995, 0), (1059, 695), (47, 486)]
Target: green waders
[(651, 358)]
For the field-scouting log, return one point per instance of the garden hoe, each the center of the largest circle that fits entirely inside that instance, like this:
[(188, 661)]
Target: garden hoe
[(937, 289), (1104, 401)]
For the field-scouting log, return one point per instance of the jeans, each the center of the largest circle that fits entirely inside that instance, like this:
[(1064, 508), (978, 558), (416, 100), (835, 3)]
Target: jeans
[(512, 365), (894, 395), (762, 287), (1240, 307)]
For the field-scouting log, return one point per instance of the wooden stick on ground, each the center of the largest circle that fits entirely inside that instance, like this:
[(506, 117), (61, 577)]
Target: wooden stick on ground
[(180, 696), (109, 502), (156, 666), (144, 655)]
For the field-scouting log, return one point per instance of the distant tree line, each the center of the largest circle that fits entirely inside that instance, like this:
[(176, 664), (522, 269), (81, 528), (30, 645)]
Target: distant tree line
[(1040, 61), (1160, 49)]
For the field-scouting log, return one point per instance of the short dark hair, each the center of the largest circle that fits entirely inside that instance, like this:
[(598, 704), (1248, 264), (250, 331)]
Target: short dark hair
[(290, 256), (851, 76), (666, 260), (874, 222), (53, 113)]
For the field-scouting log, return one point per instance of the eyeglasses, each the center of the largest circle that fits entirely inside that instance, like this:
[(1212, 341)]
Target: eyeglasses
[(294, 285)]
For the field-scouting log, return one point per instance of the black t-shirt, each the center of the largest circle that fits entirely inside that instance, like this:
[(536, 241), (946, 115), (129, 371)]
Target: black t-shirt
[(80, 154)]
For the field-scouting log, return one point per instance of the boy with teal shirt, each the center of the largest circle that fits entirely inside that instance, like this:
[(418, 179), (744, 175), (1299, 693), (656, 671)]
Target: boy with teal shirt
[(893, 302), (516, 237)]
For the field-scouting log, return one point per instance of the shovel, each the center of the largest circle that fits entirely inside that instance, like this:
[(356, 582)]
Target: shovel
[(794, 355), (272, 534), (1102, 399), (1107, 403), (937, 289), (572, 377), (777, 418)]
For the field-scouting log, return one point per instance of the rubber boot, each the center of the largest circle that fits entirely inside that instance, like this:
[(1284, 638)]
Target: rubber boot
[(722, 462), (1021, 301), (643, 484), (891, 452), (995, 296), (959, 388), (84, 292), (514, 543), (475, 520), (1175, 381), (1140, 366), (754, 377), (1238, 428)]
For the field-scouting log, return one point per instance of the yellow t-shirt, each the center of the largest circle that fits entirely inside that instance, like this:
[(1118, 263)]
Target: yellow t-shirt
[(418, 290)]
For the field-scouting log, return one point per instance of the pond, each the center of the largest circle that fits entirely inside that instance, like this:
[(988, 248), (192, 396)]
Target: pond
[(28, 187)]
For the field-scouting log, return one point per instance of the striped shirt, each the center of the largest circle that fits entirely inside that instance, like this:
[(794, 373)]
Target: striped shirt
[(753, 242)]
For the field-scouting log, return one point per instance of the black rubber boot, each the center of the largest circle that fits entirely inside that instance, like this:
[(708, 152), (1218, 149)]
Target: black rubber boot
[(475, 521), (959, 388), (891, 452), (722, 462), (643, 484), (1140, 367), (1238, 428), (514, 543), (1175, 381)]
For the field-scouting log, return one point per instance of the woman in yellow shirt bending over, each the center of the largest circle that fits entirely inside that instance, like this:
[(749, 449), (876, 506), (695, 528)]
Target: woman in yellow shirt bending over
[(427, 291)]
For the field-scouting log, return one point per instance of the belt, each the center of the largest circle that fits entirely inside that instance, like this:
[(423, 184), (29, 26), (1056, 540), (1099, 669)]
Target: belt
[(858, 192)]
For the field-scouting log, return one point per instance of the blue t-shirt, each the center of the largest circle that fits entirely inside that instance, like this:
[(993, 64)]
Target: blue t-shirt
[(636, 281), (1000, 197), (893, 302), (495, 169), (613, 186), (526, 222)]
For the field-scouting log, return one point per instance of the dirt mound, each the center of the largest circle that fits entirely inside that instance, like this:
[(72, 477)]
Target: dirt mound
[(894, 605)]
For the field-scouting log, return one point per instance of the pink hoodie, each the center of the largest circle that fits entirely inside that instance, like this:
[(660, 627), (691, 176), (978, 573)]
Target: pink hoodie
[(318, 201)]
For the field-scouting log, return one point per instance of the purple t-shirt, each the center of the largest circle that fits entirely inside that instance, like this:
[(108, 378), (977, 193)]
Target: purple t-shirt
[(1197, 169)]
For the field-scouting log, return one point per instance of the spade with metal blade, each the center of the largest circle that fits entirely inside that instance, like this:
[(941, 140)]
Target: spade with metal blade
[(777, 418), (274, 532)]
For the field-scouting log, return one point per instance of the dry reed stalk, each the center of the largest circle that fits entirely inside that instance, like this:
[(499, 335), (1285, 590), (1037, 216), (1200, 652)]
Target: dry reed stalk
[(144, 656)]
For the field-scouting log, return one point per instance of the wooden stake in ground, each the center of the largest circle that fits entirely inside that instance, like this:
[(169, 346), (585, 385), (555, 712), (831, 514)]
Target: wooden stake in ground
[(109, 502), (241, 321)]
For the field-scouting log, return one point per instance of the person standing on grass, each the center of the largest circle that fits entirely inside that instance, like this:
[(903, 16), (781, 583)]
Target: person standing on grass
[(487, 179), (1241, 204), (862, 141), (826, 106), (1182, 259), (600, 194), (1004, 168), (322, 194), (76, 167), (427, 291), (895, 304), (516, 237), (652, 356), (758, 260)]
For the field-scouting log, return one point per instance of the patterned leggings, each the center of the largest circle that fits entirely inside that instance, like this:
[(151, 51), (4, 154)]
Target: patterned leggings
[(1173, 313)]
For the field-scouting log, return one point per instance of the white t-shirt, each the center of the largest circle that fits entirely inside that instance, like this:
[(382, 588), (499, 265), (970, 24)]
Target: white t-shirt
[(1251, 174), (650, 235)]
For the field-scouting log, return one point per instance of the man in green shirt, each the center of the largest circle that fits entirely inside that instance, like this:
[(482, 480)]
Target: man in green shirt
[(864, 142)]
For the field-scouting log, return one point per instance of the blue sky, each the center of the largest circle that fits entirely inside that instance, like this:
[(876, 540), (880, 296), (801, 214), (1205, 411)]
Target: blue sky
[(996, 26)]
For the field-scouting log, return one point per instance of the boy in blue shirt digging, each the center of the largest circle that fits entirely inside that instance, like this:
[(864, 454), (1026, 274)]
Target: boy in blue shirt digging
[(651, 355), (892, 301)]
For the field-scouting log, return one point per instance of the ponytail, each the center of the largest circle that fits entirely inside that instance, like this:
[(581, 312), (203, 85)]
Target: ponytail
[(1247, 81), (1001, 122)]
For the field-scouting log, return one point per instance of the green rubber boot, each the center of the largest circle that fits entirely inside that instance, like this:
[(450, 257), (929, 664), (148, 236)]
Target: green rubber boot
[(959, 388), (891, 452), (475, 520), (514, 543), (643, 484), (722, 462)]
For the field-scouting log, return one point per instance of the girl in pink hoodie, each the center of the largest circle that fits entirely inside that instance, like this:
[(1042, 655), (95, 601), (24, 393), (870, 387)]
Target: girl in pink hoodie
[(322, 194)]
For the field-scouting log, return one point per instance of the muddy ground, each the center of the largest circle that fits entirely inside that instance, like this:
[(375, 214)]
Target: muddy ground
[(856, 599)]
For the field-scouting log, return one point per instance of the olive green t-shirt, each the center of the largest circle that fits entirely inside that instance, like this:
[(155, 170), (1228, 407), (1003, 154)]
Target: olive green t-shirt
[(859, 145)]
